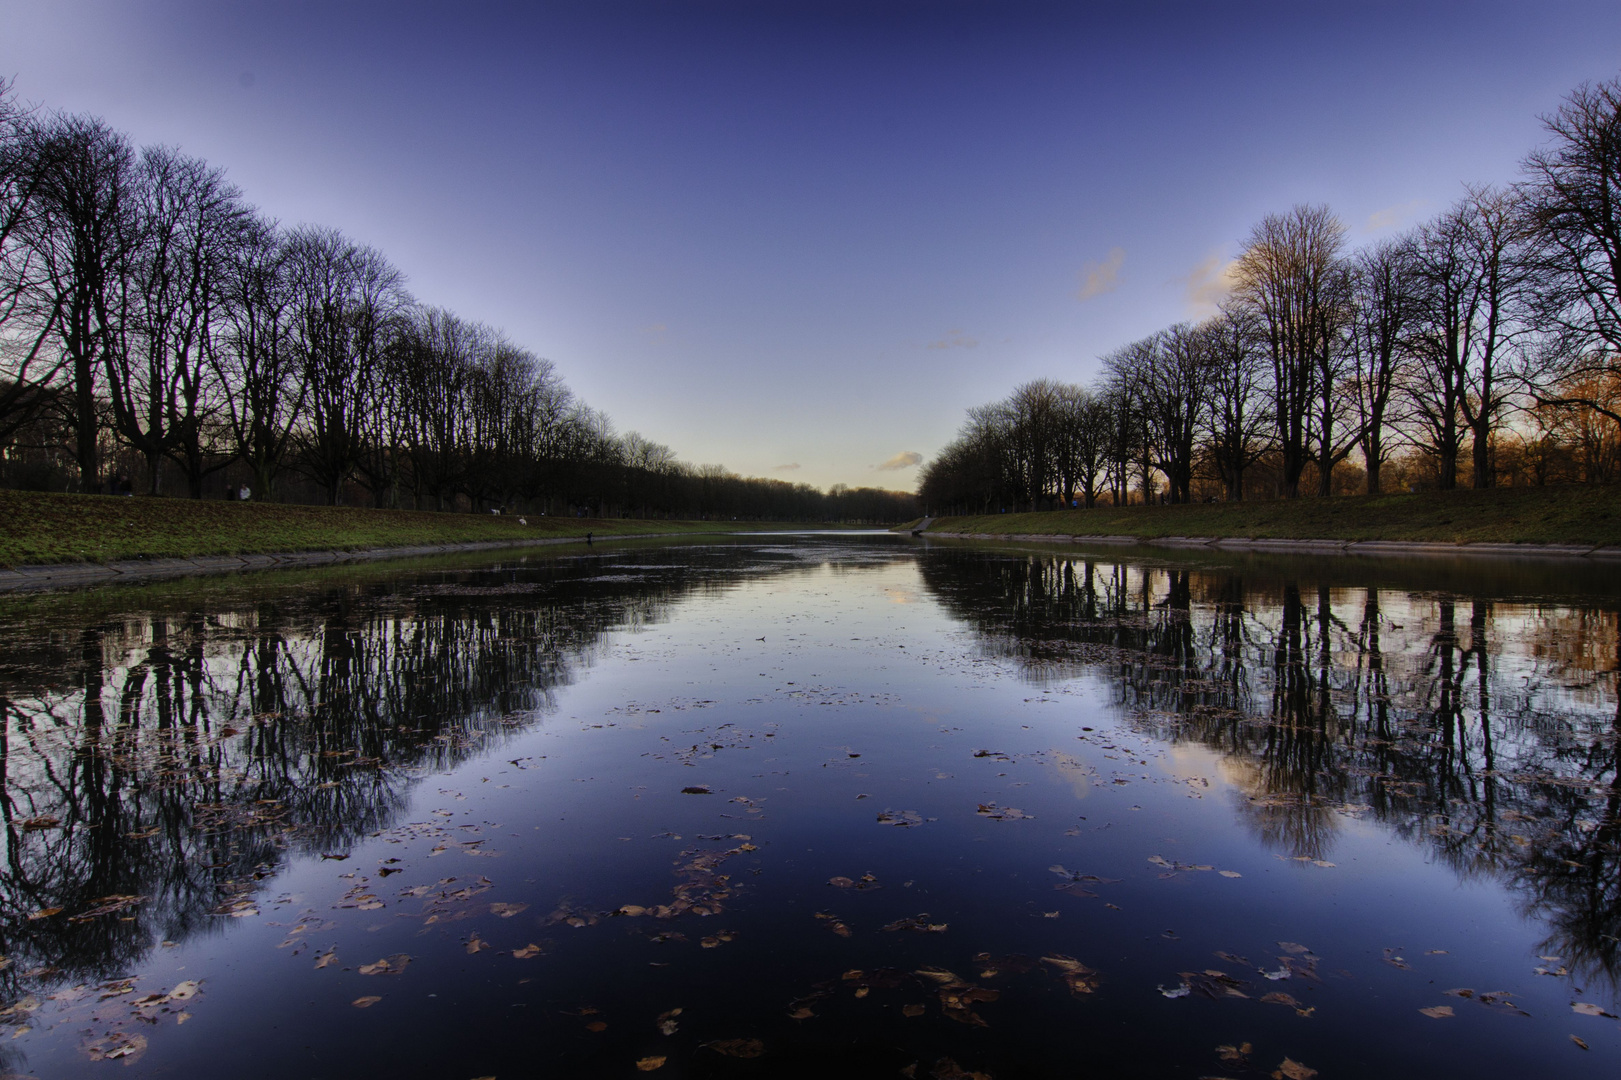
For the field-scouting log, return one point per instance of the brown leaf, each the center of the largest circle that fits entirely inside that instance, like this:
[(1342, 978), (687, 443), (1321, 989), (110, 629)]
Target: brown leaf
[(801, 1013), (841, 882), (366, 1002), (596, 1025), (1587, 1008), (528, 952), (507, 911), (738, 1048), (911, 1010), (1235, 1055), (1438, 1012), (1276, 998), (475, 944), (648, 1064), (1293, 1070), (389, 965), (1578, 1042)]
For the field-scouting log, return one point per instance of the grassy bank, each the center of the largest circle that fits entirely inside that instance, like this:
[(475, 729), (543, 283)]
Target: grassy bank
[(1554, 515), (40, 528)]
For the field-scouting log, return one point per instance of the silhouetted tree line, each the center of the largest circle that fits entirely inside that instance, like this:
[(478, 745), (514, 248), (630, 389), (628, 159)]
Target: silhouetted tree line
[(1484, 344), (152, 323)]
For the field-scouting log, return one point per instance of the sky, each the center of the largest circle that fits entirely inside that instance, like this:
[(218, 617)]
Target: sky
[(801, 239)]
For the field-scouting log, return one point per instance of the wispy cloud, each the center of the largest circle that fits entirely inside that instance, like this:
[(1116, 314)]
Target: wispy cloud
[(790, 467), (1208, 284), (903, 460), (1098, 278), (1393, 217), (954, 339)]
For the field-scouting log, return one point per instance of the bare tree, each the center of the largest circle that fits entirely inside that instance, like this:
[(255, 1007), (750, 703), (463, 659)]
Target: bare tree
[(183, 223), (28, 308), (1573, 202), (1237, 424), (1382, 312), (1289, 279), (256, 366), (87, 169), (345, 297)]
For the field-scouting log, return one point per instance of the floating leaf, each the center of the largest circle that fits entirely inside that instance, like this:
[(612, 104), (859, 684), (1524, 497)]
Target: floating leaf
[(697, 789), (596, 1025), (1235, 1055), (1587, 1008), (1438, 1012), (648, 1064), (507, 911), (326, 959), (911, 1010), (528, 952), (184, 991), (1230, 873), (1293, 1070), (1579, 1042), (738, 1048), (366, 1002), (841, 882), (389, 965), (902, 818)]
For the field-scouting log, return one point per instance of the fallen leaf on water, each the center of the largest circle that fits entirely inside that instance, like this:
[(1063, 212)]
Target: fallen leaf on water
[(507, 911), (648, 1064), (1578, 1042), (633, 910), (738, 1048), (1230, 873), (1462, 992), (389, 965), (1276, 998), (911, 1010), (939, 975), (475, 944), (1180, 992), (182, 1017), (801, 1013), (528, 952), (852, 974), (1587, 1008), (1323, 863), (1235, 1055), (1438, 1012), (841, 882), (668, 1027), (697, 789), (596, 1025), (1293, 948), (366, 1002), (1293, 1070), (903, 818), (184, 991)]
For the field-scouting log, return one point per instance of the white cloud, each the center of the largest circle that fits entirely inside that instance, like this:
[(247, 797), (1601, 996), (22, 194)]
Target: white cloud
[(1098, 278), (1208, 284), (903, 460), (954, 339), (1393, 217)]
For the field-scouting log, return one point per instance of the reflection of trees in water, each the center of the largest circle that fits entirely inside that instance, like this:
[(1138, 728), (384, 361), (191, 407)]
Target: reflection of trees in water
[(1484, 728), (158, 766)]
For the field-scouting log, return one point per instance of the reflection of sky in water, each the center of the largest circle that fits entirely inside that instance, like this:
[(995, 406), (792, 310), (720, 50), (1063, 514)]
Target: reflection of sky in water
[(1053, 796)]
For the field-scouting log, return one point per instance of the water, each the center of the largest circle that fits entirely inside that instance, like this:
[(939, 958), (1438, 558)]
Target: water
[(847, 805)]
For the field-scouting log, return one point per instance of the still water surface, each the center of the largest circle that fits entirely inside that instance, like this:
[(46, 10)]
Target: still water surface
[(844, 805)]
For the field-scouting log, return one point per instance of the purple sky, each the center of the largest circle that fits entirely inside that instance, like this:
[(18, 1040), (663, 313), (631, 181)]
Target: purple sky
[(799, 239)]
